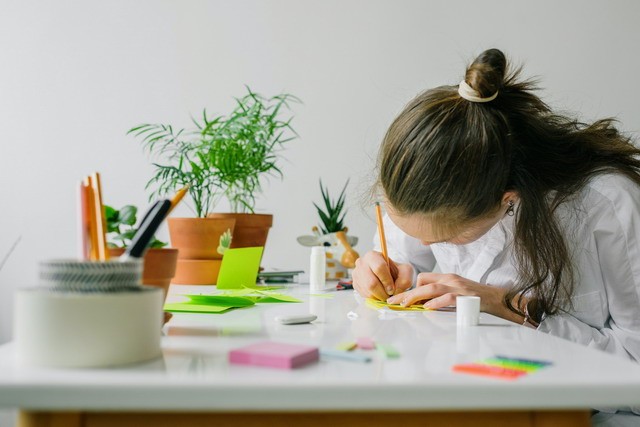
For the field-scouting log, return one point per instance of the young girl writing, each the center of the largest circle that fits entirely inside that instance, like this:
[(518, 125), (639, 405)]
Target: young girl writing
[(535, 212)]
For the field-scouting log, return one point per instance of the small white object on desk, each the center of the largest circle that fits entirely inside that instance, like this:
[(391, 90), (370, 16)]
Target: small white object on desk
[(317, 269), (467, 310), (296, 319)]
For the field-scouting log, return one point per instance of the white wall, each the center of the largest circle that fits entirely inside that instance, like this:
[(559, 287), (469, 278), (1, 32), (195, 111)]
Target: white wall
[(75, 75)]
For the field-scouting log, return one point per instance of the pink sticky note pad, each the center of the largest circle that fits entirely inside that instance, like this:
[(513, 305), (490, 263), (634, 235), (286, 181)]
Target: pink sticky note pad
[(365, 343), (274, 355)]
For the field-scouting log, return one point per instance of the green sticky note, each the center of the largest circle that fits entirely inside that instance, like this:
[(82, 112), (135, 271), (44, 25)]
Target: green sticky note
[(519, 366), (240, 268), (194, 308), (277, 298), (221, 300), (388, 350)]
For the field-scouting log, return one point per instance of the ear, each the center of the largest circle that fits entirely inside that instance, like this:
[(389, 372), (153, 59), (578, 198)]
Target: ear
[(508, 196)]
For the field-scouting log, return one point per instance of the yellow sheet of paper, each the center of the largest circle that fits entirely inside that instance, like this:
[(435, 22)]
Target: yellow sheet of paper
[(374, 303), (240, 268)]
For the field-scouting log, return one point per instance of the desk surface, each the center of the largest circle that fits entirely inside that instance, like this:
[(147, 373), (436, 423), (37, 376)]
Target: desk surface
[(194, 374)]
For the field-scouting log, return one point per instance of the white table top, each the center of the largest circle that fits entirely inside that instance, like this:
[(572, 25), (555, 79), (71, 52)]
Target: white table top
[(194, 374)]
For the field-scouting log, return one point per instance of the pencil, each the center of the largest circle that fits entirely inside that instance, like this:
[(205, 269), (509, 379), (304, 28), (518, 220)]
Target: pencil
[(93, 228), (101, 222), (176, 199), (383, 241)]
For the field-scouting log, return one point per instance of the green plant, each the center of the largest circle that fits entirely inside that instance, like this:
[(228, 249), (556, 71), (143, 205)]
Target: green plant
[(223, 156), (333, 217), (120, 227)]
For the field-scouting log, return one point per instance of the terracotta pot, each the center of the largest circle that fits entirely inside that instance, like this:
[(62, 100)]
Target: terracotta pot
[(201, 242), (159, 266), (251, 229), (199, 238), (197, 271)]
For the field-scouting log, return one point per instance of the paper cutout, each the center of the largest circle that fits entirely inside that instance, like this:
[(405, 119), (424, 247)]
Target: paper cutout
[(221, 300), (240, 268), (501, 367), (220, 303), (489, 371), (194, 308), (388, 350), (346, 346), (376, 304)]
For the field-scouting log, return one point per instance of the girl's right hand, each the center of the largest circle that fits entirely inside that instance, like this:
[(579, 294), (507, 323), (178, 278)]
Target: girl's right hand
[(373, 278)]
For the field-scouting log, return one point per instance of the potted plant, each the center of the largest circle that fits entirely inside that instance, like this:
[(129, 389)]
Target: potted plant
[(332, 234), (223, 156), (159, 262)]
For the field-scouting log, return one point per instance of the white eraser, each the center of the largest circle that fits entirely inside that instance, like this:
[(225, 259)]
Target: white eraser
[(467, 310), (295, 319)]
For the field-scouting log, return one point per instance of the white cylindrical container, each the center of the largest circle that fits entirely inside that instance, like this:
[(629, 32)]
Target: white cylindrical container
[(467, 310), (317, 269), (87, 329)]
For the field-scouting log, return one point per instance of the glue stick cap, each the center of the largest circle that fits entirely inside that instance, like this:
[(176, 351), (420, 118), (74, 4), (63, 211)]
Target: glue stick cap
[(467, 310)]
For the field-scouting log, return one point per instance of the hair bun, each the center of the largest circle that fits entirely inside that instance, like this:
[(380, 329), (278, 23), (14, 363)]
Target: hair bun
[(486, 73)]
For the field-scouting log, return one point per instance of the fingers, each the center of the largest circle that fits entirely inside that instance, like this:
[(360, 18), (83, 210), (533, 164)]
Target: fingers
[(441, 301), (429, 278), (371, 277), (404, 278), (419, 294)]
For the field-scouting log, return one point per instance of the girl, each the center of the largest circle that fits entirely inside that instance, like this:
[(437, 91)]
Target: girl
[(536, 213)]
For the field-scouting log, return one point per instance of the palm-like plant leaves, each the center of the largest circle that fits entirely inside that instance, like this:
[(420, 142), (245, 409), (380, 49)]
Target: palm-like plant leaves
[(222, 155), (332, 217)]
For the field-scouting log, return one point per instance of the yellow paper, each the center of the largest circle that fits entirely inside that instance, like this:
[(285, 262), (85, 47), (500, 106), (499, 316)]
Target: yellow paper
[(374, 303)]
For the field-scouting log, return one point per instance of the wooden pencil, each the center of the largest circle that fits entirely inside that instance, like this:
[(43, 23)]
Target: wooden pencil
[(383, 240)]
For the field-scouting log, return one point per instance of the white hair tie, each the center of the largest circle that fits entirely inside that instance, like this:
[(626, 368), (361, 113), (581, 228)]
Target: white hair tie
[(470, 94)]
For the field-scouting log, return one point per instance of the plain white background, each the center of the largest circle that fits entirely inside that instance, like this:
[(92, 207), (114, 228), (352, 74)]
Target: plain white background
[(76, 75)]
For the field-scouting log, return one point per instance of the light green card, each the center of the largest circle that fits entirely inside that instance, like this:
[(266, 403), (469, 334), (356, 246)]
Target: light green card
[(240, 268)]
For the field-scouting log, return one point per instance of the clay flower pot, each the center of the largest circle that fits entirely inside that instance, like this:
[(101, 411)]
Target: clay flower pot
[(201, 243), (159, 266), (251, 230)]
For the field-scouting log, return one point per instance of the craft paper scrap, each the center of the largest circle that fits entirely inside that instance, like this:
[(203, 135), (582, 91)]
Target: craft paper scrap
[(221, 300), (388, 350), (346, 346), (365, 343), (374, 303), (502, 367), (540, 363), (489, 371), (240, 268), (195, 308)]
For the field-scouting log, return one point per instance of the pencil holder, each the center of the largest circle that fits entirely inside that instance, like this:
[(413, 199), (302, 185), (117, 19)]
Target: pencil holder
[(88, 314), (90, 276)]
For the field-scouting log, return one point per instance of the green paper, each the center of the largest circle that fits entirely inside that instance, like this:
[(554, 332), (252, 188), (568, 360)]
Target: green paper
[(277, 298), (388, 350), (195, 308), (520, 366), (239, 268), (221, 300)]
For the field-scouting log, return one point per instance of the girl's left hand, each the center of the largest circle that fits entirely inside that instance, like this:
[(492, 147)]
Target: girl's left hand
[(440, 290)]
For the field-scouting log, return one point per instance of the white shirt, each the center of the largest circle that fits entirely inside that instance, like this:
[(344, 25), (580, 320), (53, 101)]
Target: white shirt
[(602, 228)]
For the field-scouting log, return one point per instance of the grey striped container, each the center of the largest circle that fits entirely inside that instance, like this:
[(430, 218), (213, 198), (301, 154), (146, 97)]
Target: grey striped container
[(91, 276)]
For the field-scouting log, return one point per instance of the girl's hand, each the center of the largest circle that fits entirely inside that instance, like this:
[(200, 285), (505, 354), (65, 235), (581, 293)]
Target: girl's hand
[(441, 290), (373, 278)]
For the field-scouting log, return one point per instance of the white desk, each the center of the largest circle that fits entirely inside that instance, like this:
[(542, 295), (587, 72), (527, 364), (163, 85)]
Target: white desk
[(194, 378)]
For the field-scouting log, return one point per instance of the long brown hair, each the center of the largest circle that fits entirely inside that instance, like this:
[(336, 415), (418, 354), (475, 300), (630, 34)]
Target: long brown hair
[(453, 160)]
